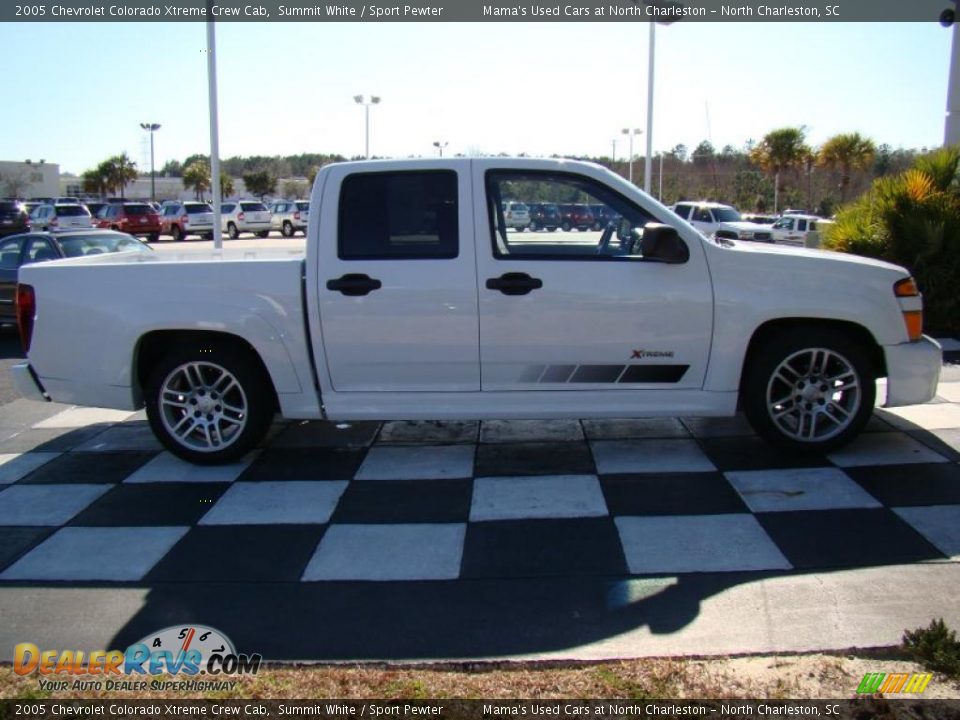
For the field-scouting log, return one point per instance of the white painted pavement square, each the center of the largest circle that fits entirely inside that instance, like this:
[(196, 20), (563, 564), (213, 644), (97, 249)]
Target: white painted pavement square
[(949, 391), (96, 553), (283, 502), (884, 449), (932, 416), (799, 489), (14, 466), (388, 552), (417, 463), (940, 524), (697, 543), (649, 456), (550, 496), (46, 504), (169, 468), (82, 416), (504, 431)]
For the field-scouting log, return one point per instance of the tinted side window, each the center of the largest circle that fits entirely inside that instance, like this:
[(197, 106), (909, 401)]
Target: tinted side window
[(398, 215), (702, 215), (683, 211)]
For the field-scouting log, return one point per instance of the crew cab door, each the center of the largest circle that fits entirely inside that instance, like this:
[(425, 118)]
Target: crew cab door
[(584, 310), (397, 278)]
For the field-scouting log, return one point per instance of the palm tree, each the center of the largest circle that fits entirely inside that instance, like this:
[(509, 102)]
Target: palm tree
[(780, 150), (122, 171), (847, 152), (226, 184), (196, 176)]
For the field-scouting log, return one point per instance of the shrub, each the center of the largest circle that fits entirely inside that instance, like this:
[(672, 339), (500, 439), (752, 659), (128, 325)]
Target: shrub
[(936, 647), (913, 219)]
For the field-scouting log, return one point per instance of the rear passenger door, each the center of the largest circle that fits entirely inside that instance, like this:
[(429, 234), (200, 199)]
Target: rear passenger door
[(397, 276)]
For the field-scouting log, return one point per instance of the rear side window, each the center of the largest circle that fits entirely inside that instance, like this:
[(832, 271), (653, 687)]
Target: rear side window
[(683, 211), (399, 215)]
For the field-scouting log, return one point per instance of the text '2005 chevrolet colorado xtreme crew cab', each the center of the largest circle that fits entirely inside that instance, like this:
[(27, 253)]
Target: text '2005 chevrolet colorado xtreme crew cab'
[(414, 302)]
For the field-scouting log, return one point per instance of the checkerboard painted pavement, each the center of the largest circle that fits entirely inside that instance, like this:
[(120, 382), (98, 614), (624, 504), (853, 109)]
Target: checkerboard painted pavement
[(87, 496)]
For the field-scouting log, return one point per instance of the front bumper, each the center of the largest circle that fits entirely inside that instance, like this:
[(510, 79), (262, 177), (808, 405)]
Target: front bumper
[(913, 371), (26, 382)]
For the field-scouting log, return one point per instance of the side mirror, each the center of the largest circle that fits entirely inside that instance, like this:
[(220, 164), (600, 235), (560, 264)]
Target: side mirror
[(662, 243)]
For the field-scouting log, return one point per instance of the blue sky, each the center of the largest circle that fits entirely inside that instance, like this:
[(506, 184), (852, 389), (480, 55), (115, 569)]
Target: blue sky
[(539, 88)]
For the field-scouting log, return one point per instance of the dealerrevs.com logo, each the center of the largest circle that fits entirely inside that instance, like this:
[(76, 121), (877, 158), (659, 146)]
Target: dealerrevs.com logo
[(183, 651)]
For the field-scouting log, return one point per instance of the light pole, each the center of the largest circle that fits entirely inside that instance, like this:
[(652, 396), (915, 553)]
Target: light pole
[(366, 101), (440, 146), (613, 156), (631, 133), (151, 128), (648, 163)]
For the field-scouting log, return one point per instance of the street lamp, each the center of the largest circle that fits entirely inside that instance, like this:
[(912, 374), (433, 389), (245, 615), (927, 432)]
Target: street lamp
[(367, 101), (631, 133), (613, 156), (440, 146), (151, 128)]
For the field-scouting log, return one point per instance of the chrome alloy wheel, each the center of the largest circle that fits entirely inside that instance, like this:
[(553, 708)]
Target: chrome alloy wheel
[(813, 395), (203, 407)]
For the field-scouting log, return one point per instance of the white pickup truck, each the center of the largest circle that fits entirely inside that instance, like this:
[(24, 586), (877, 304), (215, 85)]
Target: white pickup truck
[(415, 302)]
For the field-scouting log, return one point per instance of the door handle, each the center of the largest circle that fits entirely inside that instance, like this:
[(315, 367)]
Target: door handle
[(514, 283), (354, 284)]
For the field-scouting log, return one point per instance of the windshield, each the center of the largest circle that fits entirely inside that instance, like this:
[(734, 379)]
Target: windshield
[(726, 214), (99, 243)]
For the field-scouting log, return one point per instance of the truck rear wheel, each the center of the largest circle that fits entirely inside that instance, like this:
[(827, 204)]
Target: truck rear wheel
[(811, 389), (287, 230), (209, 404)]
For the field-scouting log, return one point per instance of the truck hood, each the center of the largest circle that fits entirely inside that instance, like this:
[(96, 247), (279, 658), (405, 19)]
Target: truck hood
[(744, 225), (825, 258)]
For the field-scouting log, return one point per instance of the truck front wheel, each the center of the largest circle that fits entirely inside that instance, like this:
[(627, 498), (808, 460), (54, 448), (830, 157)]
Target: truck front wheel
[(209, 404), (811, 389)]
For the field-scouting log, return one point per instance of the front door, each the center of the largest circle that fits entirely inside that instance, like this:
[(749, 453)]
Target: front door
[(397, 274), (583, 310)]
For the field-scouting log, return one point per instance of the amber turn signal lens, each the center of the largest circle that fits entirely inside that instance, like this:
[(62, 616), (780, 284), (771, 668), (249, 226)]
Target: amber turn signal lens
[(914, 322), (906, 288)]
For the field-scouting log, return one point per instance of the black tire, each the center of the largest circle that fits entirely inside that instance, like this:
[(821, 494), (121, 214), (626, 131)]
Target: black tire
[(239, 432), (176, 233), (534, 227), (287, 229), (206, 236), (232, 231), (153, 237), (566, 225), (263, 233), (813, 412), (552, 229)]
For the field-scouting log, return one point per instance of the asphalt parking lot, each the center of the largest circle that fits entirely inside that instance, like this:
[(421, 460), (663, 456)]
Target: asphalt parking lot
[(434, 540)]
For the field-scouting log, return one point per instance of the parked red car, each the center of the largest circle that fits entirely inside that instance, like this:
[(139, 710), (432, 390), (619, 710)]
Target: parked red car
[(576, 216), (135, 218)]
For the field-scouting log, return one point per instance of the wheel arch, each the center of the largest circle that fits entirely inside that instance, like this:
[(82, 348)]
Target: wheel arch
[(154, 345), (853, 330)]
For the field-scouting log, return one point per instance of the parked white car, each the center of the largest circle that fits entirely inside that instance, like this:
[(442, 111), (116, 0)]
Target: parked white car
[(796, 229), (434, 311), (289, 216), (242, 216), (722, 221), (60, 217), (516, 215)]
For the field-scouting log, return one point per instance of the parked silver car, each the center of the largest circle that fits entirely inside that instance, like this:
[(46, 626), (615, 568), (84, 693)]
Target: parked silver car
[(289, 216), (250, 216), (60, 217)]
